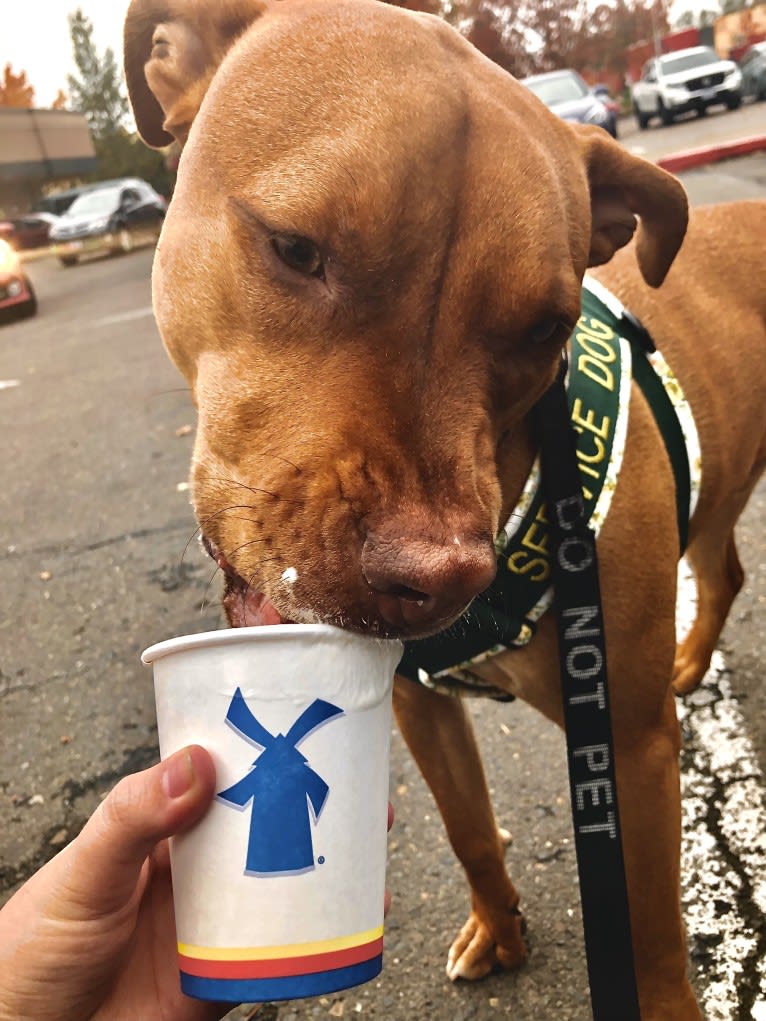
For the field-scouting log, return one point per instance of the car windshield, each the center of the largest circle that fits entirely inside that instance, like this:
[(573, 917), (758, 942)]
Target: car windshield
[(672, 65), (561, 89), (103, 200)]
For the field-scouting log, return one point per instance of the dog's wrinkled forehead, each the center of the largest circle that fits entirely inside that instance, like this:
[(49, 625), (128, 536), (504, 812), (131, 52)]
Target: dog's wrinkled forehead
[(391, 131), (359, 124)]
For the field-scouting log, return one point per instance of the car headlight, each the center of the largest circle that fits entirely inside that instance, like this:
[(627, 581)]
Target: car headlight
[(676, 94), (8, 258), (99, 225), (734, 78)]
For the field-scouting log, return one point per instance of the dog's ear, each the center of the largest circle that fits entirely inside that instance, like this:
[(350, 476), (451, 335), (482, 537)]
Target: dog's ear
[(623, 187), (172, 49)]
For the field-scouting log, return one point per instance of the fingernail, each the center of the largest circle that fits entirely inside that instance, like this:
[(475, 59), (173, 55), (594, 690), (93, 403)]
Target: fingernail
[(178, 776)]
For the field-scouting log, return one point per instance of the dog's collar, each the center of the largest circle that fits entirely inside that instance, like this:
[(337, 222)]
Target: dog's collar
[(608, 350)]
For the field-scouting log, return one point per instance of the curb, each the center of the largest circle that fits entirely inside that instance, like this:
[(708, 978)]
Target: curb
[(34, 254), (711, 153)]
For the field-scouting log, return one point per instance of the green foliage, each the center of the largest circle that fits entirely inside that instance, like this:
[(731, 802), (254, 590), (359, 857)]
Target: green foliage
[(123, 154), (97, 92)]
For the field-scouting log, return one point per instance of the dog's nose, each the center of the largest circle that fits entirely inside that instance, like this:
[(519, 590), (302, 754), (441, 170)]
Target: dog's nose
[(420, 584)]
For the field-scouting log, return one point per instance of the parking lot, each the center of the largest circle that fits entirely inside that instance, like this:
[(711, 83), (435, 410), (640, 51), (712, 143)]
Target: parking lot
[(99, 561)]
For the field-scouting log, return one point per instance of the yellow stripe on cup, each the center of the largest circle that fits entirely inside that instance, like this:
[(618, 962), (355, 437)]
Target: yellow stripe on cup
[(274, 953)]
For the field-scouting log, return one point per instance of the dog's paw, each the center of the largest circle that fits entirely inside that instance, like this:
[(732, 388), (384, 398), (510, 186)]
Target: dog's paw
[(688, 671), (506, 837), (475, 952)]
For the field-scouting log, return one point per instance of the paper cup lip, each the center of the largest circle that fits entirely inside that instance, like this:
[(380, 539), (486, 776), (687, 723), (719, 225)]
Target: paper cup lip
[(241, 635)]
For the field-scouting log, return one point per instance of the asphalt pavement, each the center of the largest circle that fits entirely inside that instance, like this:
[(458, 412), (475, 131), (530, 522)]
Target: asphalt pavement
[(99, 560)]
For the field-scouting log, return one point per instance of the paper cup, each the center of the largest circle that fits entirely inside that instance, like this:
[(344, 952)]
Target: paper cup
[(279, 889)]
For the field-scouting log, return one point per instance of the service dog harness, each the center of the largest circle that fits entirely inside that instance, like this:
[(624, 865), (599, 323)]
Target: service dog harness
[(608, 350), (580, 424)]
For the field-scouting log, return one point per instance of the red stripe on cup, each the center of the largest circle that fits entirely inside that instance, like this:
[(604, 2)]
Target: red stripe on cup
[(282, 967)]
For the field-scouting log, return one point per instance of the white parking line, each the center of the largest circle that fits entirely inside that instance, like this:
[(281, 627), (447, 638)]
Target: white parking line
[(125, 317), (6, 384), (724, 842)]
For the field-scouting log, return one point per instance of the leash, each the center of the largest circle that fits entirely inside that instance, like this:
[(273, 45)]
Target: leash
[(590, 748)]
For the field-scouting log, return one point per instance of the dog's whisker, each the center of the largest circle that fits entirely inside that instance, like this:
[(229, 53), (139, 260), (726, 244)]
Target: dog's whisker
[(255, 490), (211, 517), (280, 457), (204, 603), (244, 545)]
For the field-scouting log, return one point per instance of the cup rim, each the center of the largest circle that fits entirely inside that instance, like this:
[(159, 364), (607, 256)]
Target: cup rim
[(233, 636)]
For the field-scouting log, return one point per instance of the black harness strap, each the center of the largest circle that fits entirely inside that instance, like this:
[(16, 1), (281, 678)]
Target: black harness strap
[(590, 748)]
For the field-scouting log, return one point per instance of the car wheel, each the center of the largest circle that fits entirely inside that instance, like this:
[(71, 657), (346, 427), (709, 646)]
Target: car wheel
[(68, 260), (734, 102), (125, 240), (642, 120), (666, 116)]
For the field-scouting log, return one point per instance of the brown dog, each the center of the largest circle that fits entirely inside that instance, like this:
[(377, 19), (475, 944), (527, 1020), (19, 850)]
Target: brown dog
[(368, 271)]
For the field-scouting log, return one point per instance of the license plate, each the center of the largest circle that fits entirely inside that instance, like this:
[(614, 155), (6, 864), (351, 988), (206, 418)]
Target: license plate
[(71, 246), (708, 94)]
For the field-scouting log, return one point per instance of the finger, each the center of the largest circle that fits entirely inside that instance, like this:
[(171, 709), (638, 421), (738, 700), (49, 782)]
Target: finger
[(106, 859)]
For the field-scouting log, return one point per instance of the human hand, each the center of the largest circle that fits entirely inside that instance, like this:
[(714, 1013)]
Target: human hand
[(92, 934)]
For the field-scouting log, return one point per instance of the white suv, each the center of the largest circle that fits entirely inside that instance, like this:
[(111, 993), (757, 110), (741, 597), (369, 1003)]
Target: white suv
[(692, 79)]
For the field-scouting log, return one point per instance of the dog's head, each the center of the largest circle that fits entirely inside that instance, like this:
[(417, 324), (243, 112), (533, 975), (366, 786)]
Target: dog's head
[(367, 274)]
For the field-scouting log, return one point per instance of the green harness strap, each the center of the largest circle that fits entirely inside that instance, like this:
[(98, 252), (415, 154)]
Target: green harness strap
[(598, 387)]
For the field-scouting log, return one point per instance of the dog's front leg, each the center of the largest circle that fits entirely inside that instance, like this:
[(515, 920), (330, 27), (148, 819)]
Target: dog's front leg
[(439, 734)]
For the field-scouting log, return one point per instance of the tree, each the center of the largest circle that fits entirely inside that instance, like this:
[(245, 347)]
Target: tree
[(497, 28), (545, 35), (60, 102), (561, 26), (613, 28), (15, 90), (97, 92), (696, 19)]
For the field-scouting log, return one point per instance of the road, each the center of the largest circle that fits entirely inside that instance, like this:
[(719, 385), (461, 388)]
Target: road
[(99, 560), (693, 132)]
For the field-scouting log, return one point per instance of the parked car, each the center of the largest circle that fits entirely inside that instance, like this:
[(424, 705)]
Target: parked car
[(567, 95), (17, 296), (692, 79), (59, 201), (752, 65), (112, 217), (30, 231), (601, 91)]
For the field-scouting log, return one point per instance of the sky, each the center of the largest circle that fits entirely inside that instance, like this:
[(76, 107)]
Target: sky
[(35, 37)]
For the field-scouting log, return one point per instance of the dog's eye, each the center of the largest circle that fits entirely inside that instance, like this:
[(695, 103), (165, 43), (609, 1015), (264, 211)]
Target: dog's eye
[(548, 330), (299, 254)]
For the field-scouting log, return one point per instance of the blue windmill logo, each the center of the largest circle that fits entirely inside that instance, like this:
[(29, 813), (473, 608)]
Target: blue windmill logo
[(283, 788)]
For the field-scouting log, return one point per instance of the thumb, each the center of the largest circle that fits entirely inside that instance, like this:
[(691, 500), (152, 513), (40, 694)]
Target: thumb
[(106, 859)]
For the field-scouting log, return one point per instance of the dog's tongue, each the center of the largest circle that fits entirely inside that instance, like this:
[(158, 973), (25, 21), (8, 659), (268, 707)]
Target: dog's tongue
[(250, 609)]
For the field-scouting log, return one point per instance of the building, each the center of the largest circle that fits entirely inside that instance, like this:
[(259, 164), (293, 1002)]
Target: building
[(39, 148), (735, 32)]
